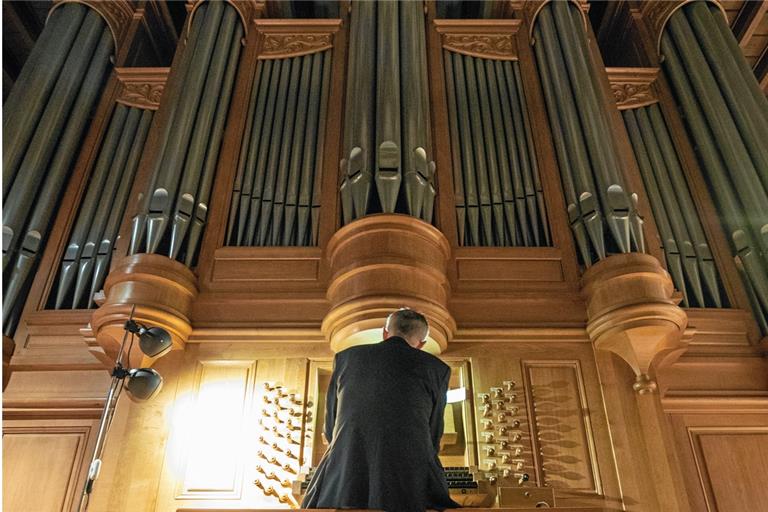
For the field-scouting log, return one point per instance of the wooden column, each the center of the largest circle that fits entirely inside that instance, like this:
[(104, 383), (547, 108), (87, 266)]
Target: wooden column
[(633, 314)]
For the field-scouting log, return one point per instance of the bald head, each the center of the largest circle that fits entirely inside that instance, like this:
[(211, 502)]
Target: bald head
[(409, 325)]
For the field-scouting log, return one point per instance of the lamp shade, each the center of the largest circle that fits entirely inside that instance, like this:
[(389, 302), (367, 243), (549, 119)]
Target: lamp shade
[(143, 384), (154, 341)]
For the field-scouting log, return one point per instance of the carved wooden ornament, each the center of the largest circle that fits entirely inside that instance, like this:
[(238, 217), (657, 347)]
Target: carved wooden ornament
[(633, 87), (281, 39), (141, 87), (479, 38)]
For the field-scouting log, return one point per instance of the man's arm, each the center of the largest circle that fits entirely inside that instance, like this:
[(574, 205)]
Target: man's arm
[(438, 411), (330, 403)]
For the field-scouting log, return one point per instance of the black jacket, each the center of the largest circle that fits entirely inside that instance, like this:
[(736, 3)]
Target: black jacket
[(384, 421)]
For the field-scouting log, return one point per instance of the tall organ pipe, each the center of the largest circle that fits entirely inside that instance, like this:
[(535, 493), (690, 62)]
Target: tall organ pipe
[(496, 177), (47, 113), (173, 211), (588, 160), (85, 261), (276, 198), (387, 89), (728, 122), (685, 246)]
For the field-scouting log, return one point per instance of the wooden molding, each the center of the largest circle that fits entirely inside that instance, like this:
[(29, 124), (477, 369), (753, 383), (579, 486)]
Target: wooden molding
[(141, 87), (488, 39), (117, 14), (633, 312), (282, 39), (633, 87), (381, 263), (658, 13), (160, 289)]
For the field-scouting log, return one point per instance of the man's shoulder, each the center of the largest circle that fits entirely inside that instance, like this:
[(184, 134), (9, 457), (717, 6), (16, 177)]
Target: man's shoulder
[(435, 362)]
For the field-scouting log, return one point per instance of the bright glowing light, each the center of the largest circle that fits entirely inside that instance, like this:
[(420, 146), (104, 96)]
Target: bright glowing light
[(457, 395), (208, 441)]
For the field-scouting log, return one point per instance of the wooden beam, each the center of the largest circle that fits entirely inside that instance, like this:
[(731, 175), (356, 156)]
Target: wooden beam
[(747, 21), (761, 70)]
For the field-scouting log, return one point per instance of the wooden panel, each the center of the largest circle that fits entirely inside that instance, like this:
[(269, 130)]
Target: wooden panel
[(258, 264), (562, 429), (520, 264), (215, 426), (735, 464), (43, 464)]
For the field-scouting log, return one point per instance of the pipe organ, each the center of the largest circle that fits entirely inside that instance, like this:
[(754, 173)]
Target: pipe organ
[(577, 204)]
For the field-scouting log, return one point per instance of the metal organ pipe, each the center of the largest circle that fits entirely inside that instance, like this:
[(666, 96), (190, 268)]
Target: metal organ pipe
[(588, 161), (47, 113), (277, 176), (728, 121), (174, 209), (391, 96)]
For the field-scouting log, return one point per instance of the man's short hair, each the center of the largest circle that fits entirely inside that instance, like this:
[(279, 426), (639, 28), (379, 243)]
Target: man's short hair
[(408, 323)]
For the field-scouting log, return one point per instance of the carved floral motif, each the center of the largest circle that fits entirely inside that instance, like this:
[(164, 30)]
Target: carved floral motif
[(276, 46), (633, 87), (142, 95), (632, 95), (141, 87), (489, 46)]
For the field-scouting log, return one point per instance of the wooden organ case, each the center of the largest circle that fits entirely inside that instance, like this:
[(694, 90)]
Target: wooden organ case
[(298, 170)]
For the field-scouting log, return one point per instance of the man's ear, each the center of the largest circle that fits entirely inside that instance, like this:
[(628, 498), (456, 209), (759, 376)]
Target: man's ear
[(385, 333), (421, 344)]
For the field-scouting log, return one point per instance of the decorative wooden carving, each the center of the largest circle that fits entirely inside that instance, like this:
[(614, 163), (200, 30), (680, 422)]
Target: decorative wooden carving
[(633, 87), (141, 87), (381, 263), (487, 39), (162, 291), (248, 10), (658, 13), (281, 39), (633, 312), (116, 13)]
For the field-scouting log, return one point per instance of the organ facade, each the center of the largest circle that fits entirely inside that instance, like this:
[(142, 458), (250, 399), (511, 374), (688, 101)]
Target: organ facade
[(574, 194)]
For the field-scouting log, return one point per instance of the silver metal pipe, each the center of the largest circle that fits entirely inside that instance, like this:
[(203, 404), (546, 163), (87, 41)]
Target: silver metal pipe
[(270, 131), (138, 224), (241, 190), (286, 150), (27, 106), (214, 145), (106, 202), (453, 121), (541, 206), (494, 180), (88, 207), (40, 217), (388, 136), (287, 76), (467, 159), (308, 98), (668, 242), (478, 149), (185, 203), (507, 193), (48, 130), (327, 62), (108, 239), (743, 173), (171, 169)]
